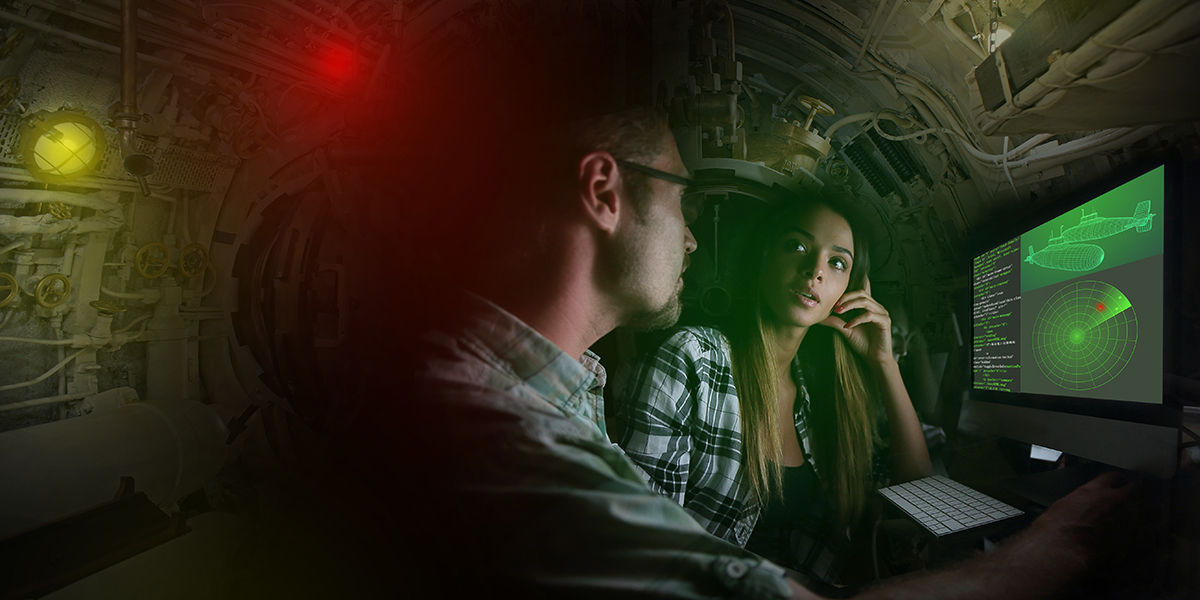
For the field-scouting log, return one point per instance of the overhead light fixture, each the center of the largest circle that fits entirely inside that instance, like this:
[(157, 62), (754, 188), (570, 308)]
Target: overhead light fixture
[(1003, 32), (61, 146)]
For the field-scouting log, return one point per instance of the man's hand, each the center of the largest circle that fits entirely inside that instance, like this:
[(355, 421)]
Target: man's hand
[(1066, 552), (1107, 539), (1094, 520)]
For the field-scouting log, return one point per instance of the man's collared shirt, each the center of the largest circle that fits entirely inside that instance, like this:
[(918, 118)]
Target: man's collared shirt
[(540, 494)]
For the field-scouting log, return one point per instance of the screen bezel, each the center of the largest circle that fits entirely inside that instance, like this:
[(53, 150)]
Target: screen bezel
[(987, 238)]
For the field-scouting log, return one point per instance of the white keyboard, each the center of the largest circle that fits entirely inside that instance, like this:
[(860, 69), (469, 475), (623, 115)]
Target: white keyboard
[(944, 506)]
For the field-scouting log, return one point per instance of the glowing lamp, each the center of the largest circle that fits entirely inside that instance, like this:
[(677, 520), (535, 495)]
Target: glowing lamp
[(61, 146), (338, 63)]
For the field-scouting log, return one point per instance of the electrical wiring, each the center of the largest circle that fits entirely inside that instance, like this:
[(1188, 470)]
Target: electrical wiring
[(1007, 172)]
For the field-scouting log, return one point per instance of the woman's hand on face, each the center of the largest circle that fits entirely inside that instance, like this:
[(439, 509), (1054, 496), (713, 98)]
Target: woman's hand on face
[(870, 332)]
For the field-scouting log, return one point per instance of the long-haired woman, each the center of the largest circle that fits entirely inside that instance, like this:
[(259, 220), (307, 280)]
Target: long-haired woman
[(773, 429)]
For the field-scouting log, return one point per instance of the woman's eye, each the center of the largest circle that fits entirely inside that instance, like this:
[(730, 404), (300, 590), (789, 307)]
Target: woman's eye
[(839, 264), (794, 245)]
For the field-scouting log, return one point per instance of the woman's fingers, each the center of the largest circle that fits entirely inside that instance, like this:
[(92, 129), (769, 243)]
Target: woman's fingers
[(869, 317), (864, 302)]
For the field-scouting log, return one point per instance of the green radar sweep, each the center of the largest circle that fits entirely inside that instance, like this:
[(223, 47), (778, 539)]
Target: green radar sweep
[(1085, 334)]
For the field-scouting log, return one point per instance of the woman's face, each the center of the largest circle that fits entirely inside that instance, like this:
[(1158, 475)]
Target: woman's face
[(807, 267)]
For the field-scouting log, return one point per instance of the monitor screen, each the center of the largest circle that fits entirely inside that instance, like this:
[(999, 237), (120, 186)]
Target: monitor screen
[(1073, 307)]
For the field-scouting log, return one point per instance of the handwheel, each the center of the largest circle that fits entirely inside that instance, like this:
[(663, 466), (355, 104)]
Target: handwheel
[(152, 260), (8, 289), (52, 290), (193, 259)]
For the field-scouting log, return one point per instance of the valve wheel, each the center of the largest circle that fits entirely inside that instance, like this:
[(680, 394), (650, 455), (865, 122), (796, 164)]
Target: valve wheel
[(8, 289), (193, 260), (107, 308), (52, 290), (152, 260), (814, 105)]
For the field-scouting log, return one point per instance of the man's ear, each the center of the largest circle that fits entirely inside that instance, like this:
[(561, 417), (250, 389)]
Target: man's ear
[(600, 190)]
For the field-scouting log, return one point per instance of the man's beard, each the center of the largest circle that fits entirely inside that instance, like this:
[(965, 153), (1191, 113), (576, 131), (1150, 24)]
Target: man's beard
[(663, 317)]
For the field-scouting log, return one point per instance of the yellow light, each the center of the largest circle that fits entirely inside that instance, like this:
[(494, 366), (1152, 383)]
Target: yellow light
[(61, 146)]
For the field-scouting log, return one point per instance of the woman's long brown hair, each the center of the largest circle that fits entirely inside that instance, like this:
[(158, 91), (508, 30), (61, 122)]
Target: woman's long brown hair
[(842, 430)]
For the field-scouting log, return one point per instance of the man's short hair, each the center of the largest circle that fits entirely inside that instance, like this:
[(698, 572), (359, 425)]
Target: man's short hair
[(636, 134)]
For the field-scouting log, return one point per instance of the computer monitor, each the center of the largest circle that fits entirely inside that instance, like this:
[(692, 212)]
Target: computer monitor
[(1072, 310)]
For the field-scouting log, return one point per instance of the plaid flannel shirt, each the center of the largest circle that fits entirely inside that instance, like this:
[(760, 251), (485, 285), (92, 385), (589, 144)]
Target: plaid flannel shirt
[(679, 420)]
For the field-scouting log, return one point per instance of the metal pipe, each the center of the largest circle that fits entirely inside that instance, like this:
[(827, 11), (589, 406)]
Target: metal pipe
[(11, 247), (870, 31), (42, 401), (42, 377), (318, 21), (91, 201), (129, 56), (886, 23), (170, 36), (958, 33), (136, 164), (79, 39), (35, 341), (56, 469)]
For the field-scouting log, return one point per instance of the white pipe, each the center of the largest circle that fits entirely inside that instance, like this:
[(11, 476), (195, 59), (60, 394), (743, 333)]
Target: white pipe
[(887, 23), (60, 468), (42, 401), (1073, 67), (130, 324), (864, 116), (957, 31), (870, 30), (79, 39), (43, 376), (91, 201), (905, 121), (12, 246), (35, 341), (124, 295), (49, 225)]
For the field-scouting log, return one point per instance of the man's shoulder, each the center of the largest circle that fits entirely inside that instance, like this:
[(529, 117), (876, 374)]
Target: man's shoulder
[(698, 341)]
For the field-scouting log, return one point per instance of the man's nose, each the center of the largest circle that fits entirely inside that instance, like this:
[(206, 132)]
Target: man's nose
[(689, 241)]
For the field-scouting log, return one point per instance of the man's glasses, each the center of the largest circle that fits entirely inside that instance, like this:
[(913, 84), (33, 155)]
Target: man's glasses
[(692, 203), (655, 173)]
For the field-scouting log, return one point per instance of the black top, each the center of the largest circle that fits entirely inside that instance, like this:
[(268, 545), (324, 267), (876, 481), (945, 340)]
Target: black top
[(787, 527)]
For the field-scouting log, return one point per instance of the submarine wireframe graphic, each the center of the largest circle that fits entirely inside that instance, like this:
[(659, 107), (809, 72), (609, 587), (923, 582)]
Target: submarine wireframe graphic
[(1094, 227), (1067, 257), (1065, 253)]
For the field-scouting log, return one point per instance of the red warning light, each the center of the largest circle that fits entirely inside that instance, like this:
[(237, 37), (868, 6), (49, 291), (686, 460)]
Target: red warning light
[(338, 63), (1099, 307)]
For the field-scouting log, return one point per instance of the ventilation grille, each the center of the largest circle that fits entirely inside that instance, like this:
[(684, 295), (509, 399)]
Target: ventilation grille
[(859, 152), (896, 155)]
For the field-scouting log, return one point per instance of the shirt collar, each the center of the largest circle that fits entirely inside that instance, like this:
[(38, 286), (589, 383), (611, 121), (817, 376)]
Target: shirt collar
[(530, 357)]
